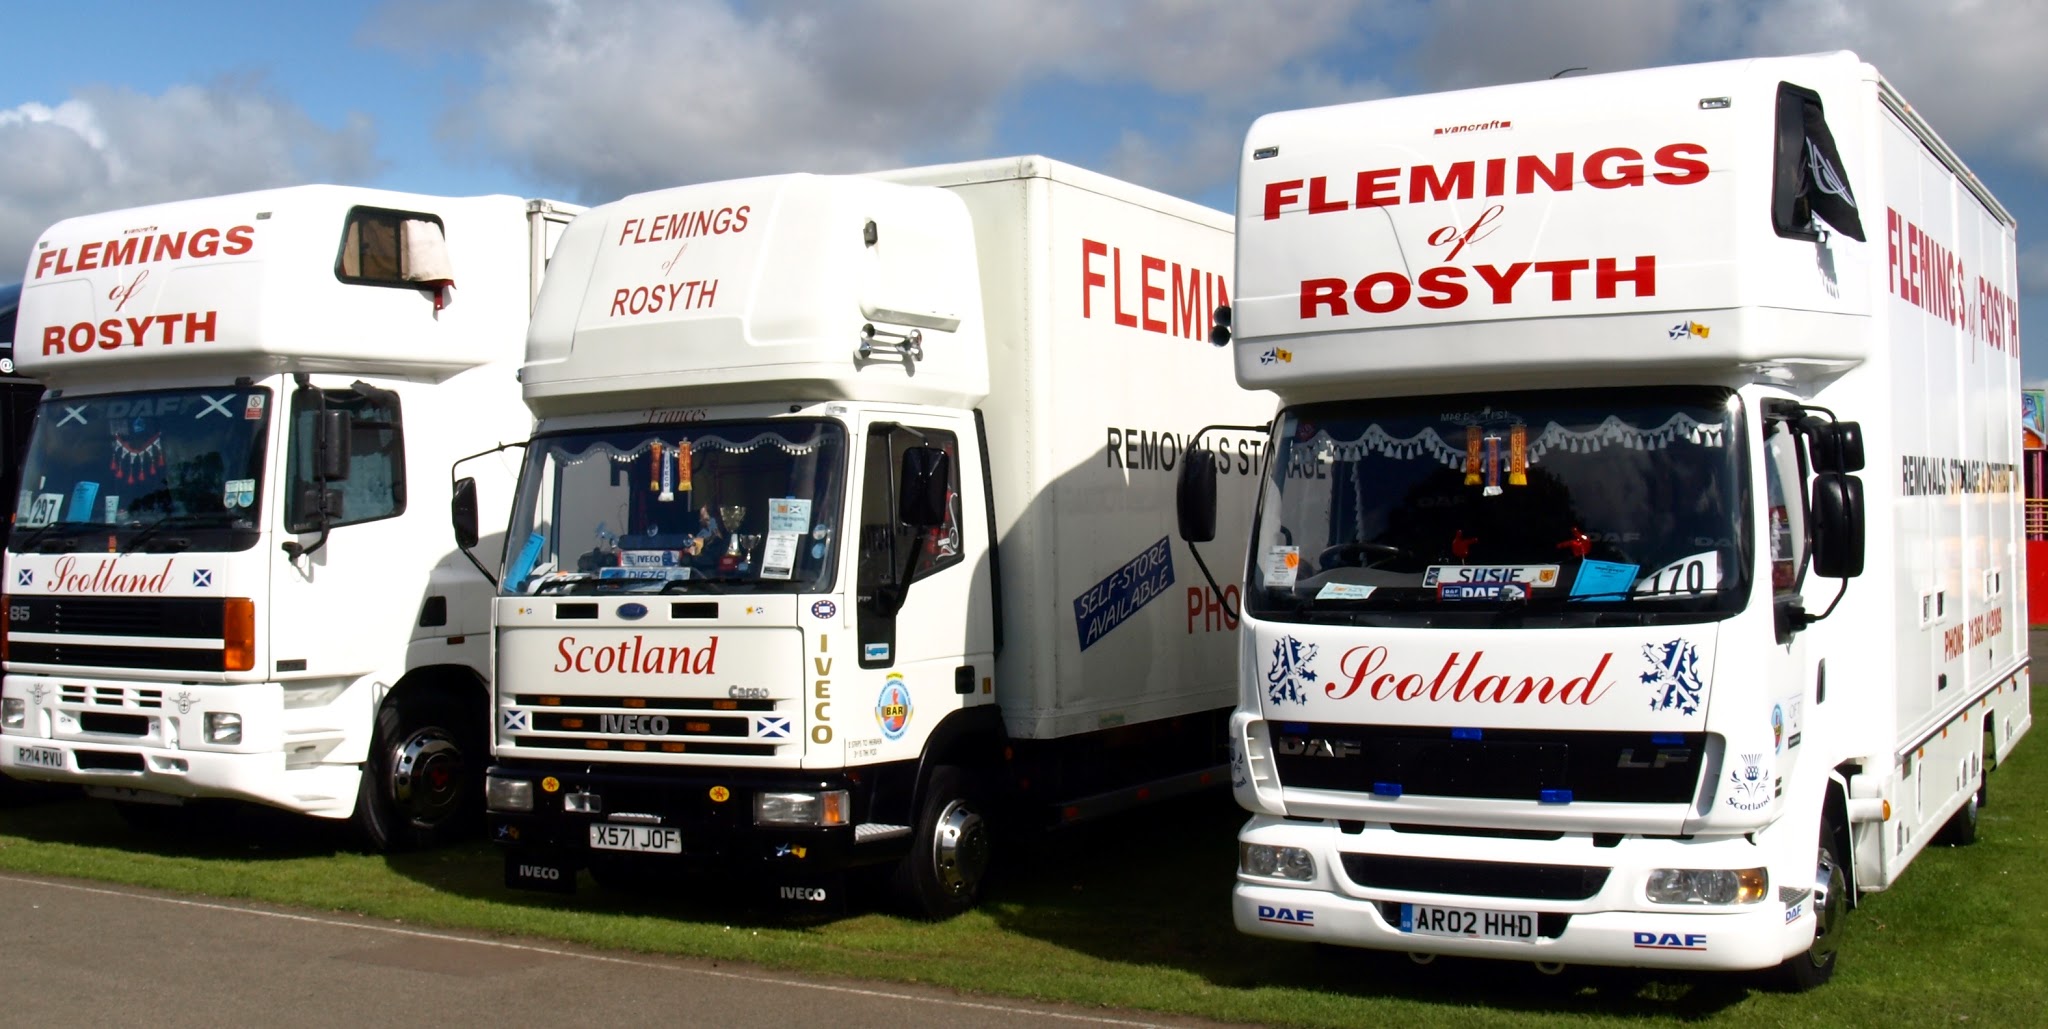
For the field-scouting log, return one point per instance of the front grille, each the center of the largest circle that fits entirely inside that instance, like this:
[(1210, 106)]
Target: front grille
[(112, 696), (170, 659), (1492, 764), (106, 761), (641, 703), (194, 618), (656, 745), (1474, 878), (113, 725)]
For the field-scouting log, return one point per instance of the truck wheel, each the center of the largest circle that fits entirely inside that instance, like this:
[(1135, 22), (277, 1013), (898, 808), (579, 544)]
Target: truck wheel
[(1830, 902), (949, 852), (421, 784), (1961, 828)]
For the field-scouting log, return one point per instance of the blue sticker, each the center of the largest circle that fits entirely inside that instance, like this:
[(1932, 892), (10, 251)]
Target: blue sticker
[(824, 609), (1604, 578), (875, 652), (82, 496), (893, 708), (1114, 600), (817, 552), (522, 566)]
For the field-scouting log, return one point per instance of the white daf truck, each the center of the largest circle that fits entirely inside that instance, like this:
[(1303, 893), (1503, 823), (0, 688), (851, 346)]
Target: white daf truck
[(847, 525), (1562, 642), (230, 573)]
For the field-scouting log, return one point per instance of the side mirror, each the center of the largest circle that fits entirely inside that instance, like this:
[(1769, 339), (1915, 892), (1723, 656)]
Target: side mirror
[(462, 510), (1838, 525), (1194, 496), (332, 430), (1836, 446), (921, 489), (318, 508)]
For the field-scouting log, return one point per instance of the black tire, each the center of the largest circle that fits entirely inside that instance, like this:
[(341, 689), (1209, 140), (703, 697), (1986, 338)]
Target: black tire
[(1961, 828), (1830, 903), (423, 783), (950, 848)]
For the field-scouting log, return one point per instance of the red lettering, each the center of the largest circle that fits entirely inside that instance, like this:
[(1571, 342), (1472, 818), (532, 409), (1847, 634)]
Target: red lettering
[(1423, 182), (1379, 188), (1280, 194), (1397, 292), (1557, 176), (240, 239), (1680, 159), (1187, 303), (1317, 203), (1441, 288), (1601, 172), (1642, 279), (1091, 279), (88, 256), (53, 335), (1561, 276), (1116, 289), (1147, 293), (1328, 293), (1503, 282)]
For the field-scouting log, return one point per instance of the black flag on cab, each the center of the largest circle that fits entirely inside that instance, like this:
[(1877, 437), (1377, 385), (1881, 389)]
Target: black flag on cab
[(1810, 181)]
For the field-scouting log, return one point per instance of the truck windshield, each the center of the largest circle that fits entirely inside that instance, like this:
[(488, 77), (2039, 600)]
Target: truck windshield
[(170, 469), (714, 507), (1562, 508)]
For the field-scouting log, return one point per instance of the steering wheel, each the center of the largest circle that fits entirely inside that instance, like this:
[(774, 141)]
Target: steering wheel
[(1360, 554)]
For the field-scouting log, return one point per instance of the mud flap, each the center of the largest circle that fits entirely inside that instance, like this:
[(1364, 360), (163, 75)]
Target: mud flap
[(534, 870)]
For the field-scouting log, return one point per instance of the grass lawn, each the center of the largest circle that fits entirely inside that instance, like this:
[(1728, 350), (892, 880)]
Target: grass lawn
[(1136, 915)]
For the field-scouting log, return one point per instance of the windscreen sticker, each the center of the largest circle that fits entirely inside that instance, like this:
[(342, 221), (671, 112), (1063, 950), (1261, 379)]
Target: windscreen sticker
[(654, 574), (112, 504), (522, 566), (789, 515), (239, 493), (1111, 602), (648, 559), (1604, 579), (778, 560), (44, 510), (1527, 575), (1280, 567), (252, 408), (1482, 591), (1344, 591), (1700, 573), (214, 405), (82, 496)]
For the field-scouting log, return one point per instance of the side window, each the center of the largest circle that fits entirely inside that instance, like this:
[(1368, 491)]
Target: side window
[(375, 487), (381, 247), (886, 544), (1785, 507)]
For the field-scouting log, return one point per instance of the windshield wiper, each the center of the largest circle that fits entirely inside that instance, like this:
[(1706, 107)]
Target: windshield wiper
[(40, 531), (150, 530)]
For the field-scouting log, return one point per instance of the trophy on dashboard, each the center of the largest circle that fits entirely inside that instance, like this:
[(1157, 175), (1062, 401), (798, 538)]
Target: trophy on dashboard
[(730, 516)]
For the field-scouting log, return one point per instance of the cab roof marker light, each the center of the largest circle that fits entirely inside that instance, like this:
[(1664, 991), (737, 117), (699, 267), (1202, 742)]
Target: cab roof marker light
[(1389, 790)]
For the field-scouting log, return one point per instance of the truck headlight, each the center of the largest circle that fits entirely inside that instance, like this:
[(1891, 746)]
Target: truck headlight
[(223, 728), (1275, 862), (13, 713), (825, 807), (508, 794), (1707, 885)]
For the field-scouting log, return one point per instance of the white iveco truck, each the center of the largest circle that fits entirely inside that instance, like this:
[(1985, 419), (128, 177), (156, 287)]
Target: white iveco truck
[(848, 517), (229, 574), (1562, 642)]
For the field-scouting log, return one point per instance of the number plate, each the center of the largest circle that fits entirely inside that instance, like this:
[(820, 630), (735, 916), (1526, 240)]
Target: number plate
[(39, 757), (1428, 920), (647, 839)]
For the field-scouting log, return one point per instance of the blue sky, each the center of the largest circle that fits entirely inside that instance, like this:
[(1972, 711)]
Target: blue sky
[(584, 101)]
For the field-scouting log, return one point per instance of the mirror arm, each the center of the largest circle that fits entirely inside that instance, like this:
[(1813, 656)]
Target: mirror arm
[(1222, 599), (295, 550), (452, 478)]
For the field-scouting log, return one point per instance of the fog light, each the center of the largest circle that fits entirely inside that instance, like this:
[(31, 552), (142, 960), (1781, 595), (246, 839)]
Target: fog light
[(223, 727), (508, 794), (1707, 885), (1275, 862), (827, 807), (13, 713)]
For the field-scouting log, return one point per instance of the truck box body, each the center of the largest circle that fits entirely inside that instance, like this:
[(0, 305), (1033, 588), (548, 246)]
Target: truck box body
[(1558, 363), (1060, 322), (199, 609)]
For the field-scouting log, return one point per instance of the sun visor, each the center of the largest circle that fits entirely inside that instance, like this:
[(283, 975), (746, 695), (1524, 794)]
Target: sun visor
[(1809, 179)]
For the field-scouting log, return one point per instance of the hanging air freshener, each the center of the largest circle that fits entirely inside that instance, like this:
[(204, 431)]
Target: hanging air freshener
[(1492, 467), (1471, 455), (654, 467), (668, 477), (1518, 456), (683, 465)]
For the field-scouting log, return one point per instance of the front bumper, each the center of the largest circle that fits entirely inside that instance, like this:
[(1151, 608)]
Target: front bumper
[(1614, 925), (149, 737)]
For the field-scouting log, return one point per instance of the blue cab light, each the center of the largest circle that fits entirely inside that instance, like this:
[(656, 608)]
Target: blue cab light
[(1666, 738), (1389, 790), (1466, 734), (1554, 797)]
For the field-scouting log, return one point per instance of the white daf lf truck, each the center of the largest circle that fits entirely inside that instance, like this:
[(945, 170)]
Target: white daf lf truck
[(847, 523), (1562, 640), (230, 573)]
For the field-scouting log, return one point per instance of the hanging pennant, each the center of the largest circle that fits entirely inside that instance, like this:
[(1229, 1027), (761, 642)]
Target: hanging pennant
[(668, 476), (683, 465), (654, 469), (135, 462), (1471, 455), (1492, 467), (1518, 456)]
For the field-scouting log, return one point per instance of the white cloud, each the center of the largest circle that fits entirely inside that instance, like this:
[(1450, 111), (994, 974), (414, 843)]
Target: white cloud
[(111, 148), (606, 99)]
